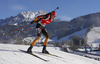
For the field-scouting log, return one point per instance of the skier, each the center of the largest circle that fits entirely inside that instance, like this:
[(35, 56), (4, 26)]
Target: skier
[(90, 49), (42, 21), (86, 49)]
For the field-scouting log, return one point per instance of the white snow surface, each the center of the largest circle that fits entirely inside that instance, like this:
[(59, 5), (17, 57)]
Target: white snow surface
[(28, 14), (94, 36), (10, 54)]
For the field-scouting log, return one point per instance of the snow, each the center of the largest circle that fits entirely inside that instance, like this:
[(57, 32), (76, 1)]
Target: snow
[(10, 54), (94, 35), (40, 12), (28, 14)]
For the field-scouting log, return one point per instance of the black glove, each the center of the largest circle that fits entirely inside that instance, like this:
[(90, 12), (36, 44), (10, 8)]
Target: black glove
[(32, 22)]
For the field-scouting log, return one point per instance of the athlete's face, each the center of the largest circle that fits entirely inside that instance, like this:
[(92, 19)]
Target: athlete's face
[(53, 16)]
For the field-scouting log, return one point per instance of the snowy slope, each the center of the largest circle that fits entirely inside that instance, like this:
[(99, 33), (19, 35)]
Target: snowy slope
[(10, 54), (80, 33), (94, 35)]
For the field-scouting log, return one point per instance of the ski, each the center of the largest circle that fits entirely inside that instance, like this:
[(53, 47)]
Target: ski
[(52, 55), (34, 55), (49, 54)]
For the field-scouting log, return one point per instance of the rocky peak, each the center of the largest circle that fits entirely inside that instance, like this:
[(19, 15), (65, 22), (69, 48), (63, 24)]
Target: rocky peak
[(28, 14)]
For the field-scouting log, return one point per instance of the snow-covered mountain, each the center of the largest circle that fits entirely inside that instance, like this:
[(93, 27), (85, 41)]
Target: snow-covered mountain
[(40, 12), (21, 17), (11, 54)]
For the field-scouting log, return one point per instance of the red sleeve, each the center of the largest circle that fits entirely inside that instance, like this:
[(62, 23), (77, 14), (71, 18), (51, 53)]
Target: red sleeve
[(41, 17)]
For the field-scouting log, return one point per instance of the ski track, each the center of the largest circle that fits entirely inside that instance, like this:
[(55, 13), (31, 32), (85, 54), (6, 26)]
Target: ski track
[(10, 54)]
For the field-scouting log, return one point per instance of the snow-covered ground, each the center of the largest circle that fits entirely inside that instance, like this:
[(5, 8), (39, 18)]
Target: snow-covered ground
[(10, 54)]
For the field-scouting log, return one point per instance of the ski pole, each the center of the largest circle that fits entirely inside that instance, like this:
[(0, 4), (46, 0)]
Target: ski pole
[(21, 27), (28, 28)]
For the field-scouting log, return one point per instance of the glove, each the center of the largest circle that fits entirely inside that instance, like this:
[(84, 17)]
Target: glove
[(32, 22)]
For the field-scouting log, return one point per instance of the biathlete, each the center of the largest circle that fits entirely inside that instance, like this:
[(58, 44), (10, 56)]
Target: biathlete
[(42, 21)]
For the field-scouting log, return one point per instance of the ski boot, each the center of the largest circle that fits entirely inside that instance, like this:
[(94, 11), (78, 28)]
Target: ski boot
[(29, 50), (44, 50)]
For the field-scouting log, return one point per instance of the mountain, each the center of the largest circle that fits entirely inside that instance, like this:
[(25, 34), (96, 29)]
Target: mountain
[(21, 17), (40, 12), (92, 36), (80, 33), (86, 21), (67, 28)]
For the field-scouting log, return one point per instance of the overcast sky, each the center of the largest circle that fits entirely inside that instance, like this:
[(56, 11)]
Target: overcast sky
[(68, 9)]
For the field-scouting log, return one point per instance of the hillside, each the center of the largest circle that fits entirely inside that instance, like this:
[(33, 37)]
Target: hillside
[(80, 33), (92, 35), (10, 54)]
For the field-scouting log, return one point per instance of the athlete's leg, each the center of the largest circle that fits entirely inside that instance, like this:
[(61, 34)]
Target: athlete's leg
[(35, 41), (44, 31)]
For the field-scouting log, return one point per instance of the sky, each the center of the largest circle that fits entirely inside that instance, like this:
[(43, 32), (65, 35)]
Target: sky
[(68, 9)]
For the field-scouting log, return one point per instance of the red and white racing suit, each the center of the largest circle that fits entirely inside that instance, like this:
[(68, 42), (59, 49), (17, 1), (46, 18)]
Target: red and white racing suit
[(40, 27)]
